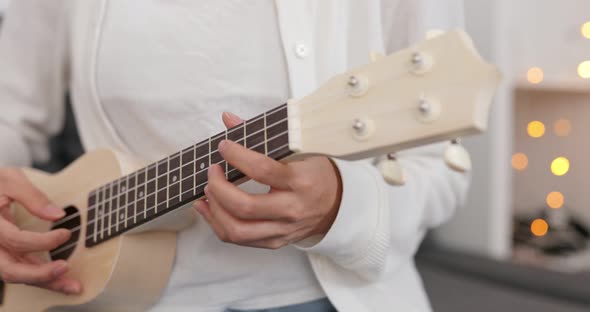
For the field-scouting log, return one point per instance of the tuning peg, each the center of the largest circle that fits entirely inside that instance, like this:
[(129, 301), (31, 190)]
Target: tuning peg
[(391, 170), (375, 56), (457, 157)]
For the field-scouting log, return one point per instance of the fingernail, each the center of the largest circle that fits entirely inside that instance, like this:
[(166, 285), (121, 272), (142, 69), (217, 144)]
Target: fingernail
[(232, 117), (72, 289), (60, 270), (221, 145), (53, 211), (210, 171), (206, 190), (64, 235)]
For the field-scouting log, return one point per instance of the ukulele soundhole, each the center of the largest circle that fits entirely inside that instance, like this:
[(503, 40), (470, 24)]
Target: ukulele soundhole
[(71, 222)]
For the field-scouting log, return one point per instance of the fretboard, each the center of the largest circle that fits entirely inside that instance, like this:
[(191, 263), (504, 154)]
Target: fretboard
[(178, 179)]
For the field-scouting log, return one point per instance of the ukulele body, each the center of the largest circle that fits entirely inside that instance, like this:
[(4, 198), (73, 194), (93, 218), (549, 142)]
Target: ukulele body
[(124, 274)]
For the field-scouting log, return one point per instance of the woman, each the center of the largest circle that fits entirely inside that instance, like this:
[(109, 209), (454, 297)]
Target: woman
[(151, 77)]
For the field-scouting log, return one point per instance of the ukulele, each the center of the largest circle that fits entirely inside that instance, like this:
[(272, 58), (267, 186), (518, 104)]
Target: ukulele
[(124, 217)]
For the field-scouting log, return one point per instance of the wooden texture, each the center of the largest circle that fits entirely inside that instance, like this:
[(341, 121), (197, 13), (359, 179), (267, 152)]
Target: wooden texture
[(459, 81)]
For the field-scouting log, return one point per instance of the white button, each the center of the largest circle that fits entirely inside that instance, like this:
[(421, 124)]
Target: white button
[(301, 50)]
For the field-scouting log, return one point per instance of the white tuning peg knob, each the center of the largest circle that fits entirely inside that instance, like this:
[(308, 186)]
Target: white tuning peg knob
[(457, 157), (375, 56), (391, 170)]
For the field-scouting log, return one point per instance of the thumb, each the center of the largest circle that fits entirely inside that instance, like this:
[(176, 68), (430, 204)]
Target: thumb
[(231, 120)]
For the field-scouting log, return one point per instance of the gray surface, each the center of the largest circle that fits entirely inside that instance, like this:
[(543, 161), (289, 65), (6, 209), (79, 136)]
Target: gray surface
[(453, 284), (449, 291)]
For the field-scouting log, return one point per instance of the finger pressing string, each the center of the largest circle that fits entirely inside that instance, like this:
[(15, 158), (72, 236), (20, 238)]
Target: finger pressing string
[(231, 120)]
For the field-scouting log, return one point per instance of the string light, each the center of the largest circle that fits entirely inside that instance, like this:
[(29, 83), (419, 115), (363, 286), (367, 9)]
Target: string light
[(536, 129), (555, 200), (586, 30), (560, 166), (539, 227), (584, 69), (562, 127), (520, 161), (535, 75)]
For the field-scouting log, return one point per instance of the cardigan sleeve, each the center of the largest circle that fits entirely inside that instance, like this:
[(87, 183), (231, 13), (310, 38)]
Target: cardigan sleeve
[(379, 227), (32, 79)]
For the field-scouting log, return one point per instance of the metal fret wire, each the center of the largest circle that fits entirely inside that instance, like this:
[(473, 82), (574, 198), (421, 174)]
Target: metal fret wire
[(124, 190), (203, 143), (233, 170), (195, 161), (161, 175), (76, 229), (194, 175)]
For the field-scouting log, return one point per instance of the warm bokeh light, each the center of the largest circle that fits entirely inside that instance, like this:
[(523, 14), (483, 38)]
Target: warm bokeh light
[(562, 127), (536, 129), (586, 30), (535, 75), (584, 69), (560, 166), (539, 227), (555, 200), (520, 161)]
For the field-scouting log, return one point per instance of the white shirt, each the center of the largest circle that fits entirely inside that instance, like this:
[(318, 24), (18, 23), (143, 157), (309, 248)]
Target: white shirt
[(164, 71)]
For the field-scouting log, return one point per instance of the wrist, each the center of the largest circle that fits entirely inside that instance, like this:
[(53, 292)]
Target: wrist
[(328, 220)]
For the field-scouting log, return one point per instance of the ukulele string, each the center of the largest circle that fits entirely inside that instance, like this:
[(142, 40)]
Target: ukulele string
[(76, 214), (316, 108), (109, 215), (78, 228)]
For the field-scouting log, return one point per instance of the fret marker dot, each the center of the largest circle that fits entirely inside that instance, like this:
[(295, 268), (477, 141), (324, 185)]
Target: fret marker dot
[(202, 165), (123, 189), (174, 178), (100, 212), (140, 194), (121, 216)]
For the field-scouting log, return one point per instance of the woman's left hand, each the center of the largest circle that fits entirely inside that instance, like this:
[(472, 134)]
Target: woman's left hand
[(303, 200)]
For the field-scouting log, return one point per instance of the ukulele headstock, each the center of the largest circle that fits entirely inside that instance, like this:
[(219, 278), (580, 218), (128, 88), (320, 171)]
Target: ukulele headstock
[(437, 90)]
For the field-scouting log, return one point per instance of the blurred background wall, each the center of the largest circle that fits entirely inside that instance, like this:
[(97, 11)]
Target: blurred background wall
[(483, 226), (542, 48)]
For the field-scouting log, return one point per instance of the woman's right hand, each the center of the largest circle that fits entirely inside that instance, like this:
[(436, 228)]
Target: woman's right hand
[(17, 263)]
